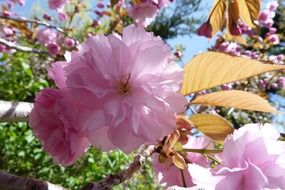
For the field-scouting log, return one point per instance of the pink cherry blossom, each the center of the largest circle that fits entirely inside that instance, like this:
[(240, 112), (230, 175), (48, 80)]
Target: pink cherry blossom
[(55, 120), (143, 13), (46, 36), (171, 175), (253, 158), (272, 6), (56, 4), (133, 82), (273, 39)]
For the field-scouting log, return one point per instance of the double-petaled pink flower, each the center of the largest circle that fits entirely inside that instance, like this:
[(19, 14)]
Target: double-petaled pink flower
[(56, 121), (253, 158), (127, 86)]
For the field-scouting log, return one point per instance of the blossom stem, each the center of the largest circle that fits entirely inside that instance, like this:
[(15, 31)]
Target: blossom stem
[(203, 151)]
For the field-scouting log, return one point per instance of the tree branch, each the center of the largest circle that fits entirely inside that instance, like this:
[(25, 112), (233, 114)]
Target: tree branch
[(14, 111), (111, 180), (12, 45), (38, 23), (13, 182)]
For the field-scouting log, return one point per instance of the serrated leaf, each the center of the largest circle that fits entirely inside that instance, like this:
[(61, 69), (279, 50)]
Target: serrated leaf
[(210, 69), (179, 161), (217, 15), (236, 99), (249, 11), (213, 126)]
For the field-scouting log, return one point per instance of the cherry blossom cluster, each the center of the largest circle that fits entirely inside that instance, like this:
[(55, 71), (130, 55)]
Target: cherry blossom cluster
[(54, 40), (115, 92)]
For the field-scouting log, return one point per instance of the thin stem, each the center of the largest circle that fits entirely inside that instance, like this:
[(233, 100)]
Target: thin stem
[(203, 151), (38, 23)]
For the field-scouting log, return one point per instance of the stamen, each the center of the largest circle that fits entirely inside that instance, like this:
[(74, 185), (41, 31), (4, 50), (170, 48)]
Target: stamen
[(124, 86)]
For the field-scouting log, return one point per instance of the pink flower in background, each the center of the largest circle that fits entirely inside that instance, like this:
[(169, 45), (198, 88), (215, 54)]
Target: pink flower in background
[(278, 59), (56, 4), (8, 31), (46, 36), (273, 39), (133, 81), (143, 13), (272, 6), (253, 158), (171, 175), (55, 120), (62, 16)]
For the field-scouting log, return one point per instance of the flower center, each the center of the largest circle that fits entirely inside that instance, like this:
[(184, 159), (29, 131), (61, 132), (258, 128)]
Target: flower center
[(124, 86)]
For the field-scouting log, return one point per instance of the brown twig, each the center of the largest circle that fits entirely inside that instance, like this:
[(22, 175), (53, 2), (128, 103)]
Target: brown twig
[(13, 182), (112, 180), (31, 21), (17, 47), (14, 111)]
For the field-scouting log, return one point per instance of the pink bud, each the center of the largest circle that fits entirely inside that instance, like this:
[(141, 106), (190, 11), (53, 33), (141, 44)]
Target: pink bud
[(69, 42), (6, 13), (178, 54), (99, 13), (8, 31), (205, 30), (227, 86), (100, 5), (47, 17), (95, 23), (62, 16), (53, 48)]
